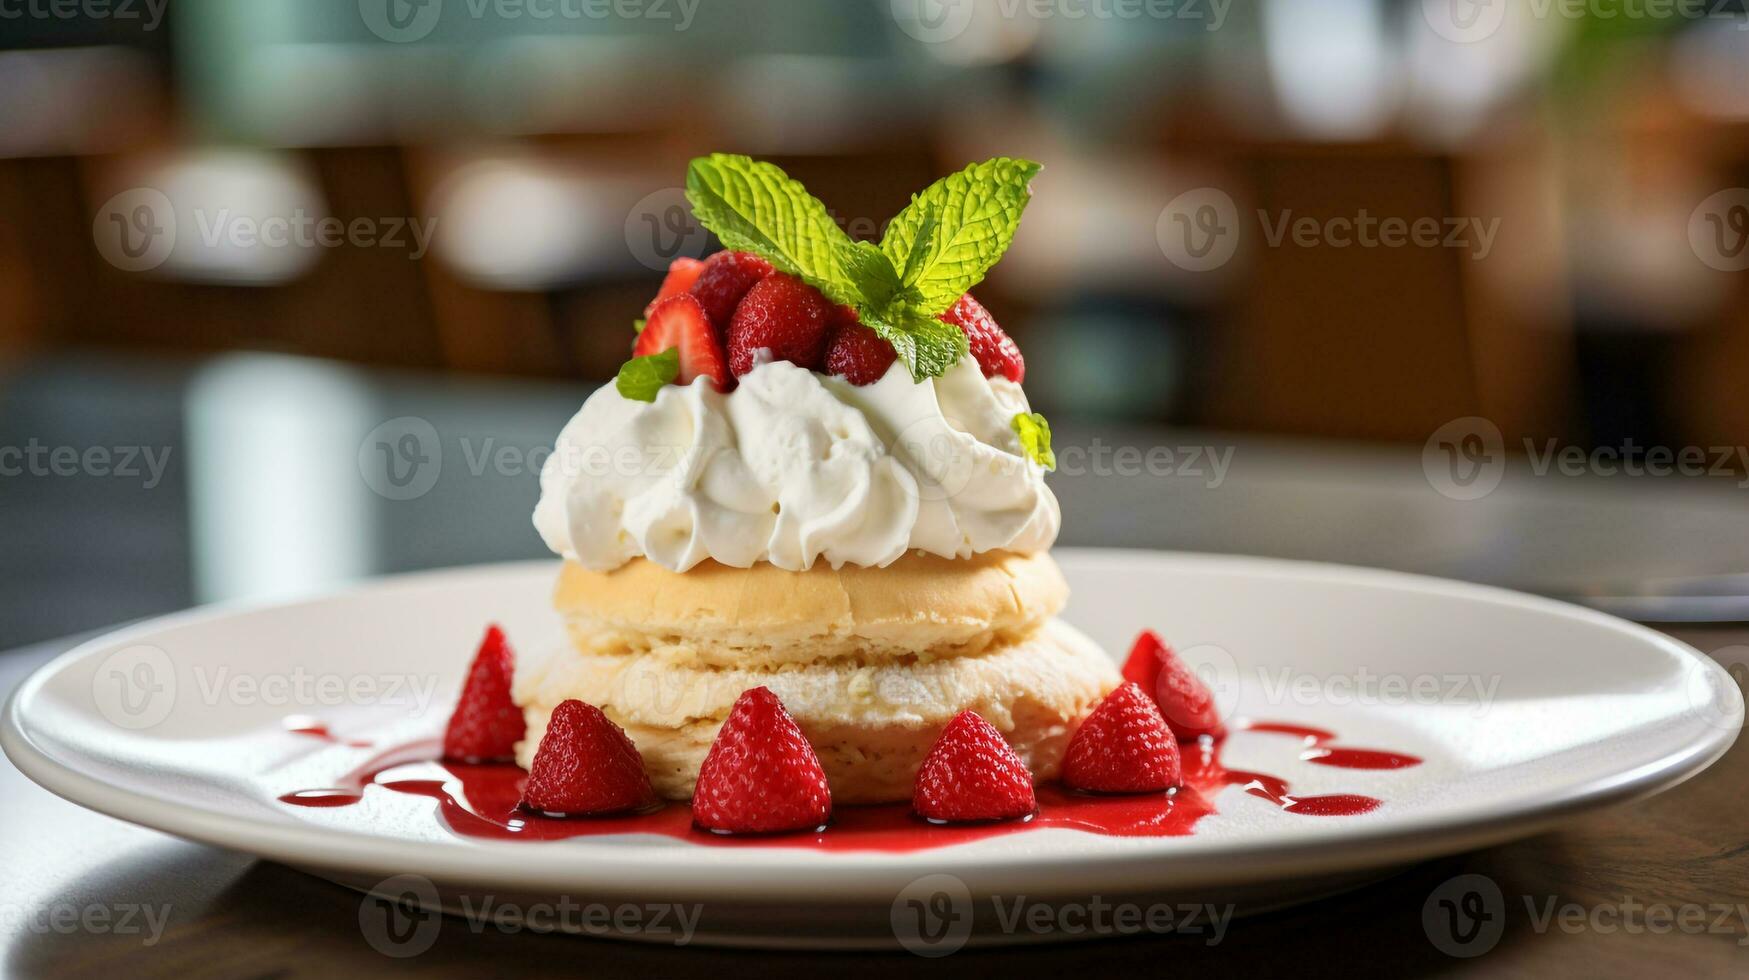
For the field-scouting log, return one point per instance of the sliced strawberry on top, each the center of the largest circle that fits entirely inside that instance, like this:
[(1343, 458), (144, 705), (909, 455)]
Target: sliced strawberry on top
[(971, 774), (586, 766), (682, 273), (761, 776), (722, 282), (679, 322), (1184, 700), (856, 351), (994, 350), (783, 315), (1124, 746), (486, 724)]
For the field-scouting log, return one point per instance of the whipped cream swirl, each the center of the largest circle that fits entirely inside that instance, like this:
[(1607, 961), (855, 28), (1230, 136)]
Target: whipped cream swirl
[(794, 467)]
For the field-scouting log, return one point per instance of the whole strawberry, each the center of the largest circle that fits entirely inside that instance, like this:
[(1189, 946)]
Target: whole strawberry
[(486, 724), (1124, 746), (586, 766), (682, 273), (971, 774), (1187, 704), (995, 352), (781, 314), (855, 351), (761, 776), (724, 279)]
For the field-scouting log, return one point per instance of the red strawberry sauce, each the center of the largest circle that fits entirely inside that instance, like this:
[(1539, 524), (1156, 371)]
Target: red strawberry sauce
[(480, 800)]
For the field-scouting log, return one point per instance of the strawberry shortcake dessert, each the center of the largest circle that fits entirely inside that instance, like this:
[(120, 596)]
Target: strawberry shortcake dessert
[(806, 537)]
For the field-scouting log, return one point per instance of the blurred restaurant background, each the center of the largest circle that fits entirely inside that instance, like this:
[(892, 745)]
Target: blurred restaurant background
[(263, 241)]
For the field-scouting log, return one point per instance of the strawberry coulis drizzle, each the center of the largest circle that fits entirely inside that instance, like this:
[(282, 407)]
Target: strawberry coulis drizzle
[(480, 800)]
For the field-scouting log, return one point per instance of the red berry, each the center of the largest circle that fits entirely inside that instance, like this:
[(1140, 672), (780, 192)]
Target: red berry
[(1124, 746), (784, 315), (682, 273), (679, 321), (1184, 700), (725, 278), (856, 351), (994, 350), (971, 774), (761, 776), (586, 766), (486, 724)]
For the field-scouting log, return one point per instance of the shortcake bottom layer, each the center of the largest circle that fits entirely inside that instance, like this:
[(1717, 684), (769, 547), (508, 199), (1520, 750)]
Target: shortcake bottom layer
[(871, 724)]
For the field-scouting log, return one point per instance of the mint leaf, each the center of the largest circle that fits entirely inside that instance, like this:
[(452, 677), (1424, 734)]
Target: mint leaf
[(1035, 438), (755, 207), (927, 346), (949, 236), (642, 377)]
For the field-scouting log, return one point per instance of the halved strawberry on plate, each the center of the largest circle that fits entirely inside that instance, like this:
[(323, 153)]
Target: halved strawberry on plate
[(680, 323)]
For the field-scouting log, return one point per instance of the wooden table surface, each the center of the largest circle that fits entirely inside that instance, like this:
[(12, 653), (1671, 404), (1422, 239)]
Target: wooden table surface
[(1582, 901)]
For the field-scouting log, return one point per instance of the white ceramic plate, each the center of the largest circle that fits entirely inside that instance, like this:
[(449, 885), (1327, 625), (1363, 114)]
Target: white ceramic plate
[(1524, 710)]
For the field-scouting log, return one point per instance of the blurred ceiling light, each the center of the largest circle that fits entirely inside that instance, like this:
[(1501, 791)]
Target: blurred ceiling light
[(68, 101), (520, 223), (969, 32), (243, 217), (1334, 76), (1710, 62)]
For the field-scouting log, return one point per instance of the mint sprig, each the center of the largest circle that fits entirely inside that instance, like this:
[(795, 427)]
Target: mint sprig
[(1035, 438), (640, 378), (941, 245)]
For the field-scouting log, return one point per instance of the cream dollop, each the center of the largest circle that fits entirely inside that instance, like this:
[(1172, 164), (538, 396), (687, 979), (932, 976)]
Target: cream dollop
[(794, 467)]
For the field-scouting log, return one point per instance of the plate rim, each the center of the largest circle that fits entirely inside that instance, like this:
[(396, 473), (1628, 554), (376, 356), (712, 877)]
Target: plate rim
[(778, 873)]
